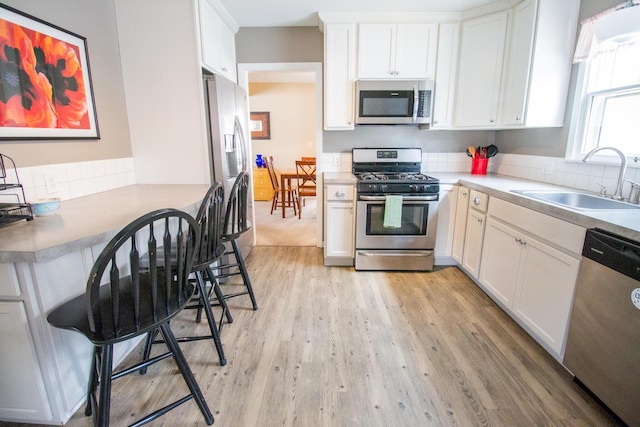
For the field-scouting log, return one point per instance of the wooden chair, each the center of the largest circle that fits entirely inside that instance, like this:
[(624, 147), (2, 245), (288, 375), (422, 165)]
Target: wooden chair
[(291, 192), (124, 301), (306, 171), (308, 159)]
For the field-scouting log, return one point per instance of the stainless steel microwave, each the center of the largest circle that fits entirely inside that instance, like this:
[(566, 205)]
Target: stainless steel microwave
[(394, 102)]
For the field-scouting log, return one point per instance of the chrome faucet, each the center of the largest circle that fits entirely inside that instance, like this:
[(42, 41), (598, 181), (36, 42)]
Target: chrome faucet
[(623, 168)]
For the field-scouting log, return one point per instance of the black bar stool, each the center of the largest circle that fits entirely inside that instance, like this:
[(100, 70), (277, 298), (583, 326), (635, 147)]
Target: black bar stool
[(235, 224), (136, 300), (211, 249)]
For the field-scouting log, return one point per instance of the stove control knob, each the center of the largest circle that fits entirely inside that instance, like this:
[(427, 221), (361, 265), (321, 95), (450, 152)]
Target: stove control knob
[(414, 188), (383, 187), (373, 187)]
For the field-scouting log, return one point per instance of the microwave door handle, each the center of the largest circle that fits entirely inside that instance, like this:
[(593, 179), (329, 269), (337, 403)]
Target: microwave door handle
[(416, 98)]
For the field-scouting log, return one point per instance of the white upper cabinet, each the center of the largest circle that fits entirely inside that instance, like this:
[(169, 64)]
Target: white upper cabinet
[(445, 87), (538, 63), (339, 76), (397, 51), (515, 66), (217, 43), (480, 70), (519, 60)]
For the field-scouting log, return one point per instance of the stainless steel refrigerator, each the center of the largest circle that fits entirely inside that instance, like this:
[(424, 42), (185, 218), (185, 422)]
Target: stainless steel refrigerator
[(228, 122)]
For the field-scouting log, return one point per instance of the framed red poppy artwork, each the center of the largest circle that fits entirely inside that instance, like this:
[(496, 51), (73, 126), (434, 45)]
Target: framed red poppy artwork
[(45, 81)]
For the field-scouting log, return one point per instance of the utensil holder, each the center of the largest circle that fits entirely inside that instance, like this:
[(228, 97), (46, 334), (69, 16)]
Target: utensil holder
[(479, 165)]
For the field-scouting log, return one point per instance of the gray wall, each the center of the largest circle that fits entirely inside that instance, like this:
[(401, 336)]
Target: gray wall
[(94, 20), (433, 141), (279, 44)]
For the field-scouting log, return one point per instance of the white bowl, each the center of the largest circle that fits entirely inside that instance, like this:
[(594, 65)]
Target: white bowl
[(42, 207)]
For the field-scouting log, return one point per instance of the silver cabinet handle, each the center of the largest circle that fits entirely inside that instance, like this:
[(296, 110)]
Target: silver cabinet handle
[(340, 193), (476, 200)]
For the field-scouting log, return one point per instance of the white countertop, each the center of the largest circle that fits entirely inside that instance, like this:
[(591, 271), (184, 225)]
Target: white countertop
[(624, 223), (339, 178), (90, 220)]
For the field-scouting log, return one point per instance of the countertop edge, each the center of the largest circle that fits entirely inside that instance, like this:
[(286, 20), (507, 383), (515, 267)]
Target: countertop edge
[(91, 220), (492, 185)]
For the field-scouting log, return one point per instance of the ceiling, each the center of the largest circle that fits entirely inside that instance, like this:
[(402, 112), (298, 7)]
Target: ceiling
[(286, 13)]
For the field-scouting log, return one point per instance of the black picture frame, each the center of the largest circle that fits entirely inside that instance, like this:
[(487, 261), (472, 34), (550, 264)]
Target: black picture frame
[(46, 90)]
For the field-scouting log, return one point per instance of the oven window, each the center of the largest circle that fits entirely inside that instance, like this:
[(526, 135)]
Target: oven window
[(386, 104), (413, 220)]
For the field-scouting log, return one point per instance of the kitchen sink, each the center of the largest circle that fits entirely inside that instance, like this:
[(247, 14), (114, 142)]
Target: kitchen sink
[(577, 200)]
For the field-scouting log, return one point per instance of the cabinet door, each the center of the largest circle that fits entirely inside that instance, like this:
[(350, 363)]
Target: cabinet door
[(217, 43), (228, 53), (416, 46), (445, 76), (473, 242), (376, 51), (210, 24), (501, 253), (481, 59), (516, 80), (339, 76), (340, 237), (446, 221), (460, 225), (544, 299), (22, 392)]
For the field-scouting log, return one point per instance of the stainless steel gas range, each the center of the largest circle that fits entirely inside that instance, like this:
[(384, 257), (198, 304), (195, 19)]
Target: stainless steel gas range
[(409, 244)]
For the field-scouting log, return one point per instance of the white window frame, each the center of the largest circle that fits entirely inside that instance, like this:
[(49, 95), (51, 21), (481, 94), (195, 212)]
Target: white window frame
[(579, 117)]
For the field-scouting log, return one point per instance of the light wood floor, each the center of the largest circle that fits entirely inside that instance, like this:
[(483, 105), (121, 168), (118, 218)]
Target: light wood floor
[(273, 230), (336, 347)]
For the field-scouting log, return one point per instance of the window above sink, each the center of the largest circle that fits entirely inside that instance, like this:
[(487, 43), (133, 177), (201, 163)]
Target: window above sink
[(607, 96)]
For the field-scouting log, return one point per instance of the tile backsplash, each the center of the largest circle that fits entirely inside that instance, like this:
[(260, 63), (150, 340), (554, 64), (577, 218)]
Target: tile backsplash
[(551, 170), (71, 180)]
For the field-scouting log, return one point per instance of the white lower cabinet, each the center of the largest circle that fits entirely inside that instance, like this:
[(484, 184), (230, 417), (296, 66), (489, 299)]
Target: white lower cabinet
[(460, 224), (339, 226), (446, 224), (532, 278), (22, 392), (473, 242), (474, 234)]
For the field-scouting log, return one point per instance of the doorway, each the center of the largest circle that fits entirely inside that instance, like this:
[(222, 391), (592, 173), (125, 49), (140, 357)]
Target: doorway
[(273, 230)]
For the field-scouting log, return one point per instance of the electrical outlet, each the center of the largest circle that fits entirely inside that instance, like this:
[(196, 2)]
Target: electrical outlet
[(336, 160), (51, 183)]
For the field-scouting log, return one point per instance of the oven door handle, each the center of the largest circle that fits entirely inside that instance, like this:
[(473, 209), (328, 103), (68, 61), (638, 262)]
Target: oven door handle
[(395, 253), (431, 198)]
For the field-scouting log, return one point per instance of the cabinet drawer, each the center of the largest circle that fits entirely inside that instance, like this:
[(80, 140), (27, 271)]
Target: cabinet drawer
[(8, 281), (558, 233), (478, 201), (260, 173), (339, 192), (262, 194), (261, 183)]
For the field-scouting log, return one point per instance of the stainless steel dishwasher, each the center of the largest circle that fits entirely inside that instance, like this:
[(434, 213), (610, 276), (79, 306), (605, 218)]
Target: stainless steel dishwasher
[(603, 344)]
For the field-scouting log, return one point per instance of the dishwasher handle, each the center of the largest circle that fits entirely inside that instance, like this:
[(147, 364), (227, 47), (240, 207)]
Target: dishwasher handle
[(616, 252)]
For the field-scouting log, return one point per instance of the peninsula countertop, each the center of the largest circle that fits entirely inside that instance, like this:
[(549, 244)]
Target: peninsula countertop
[(90, 220)]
